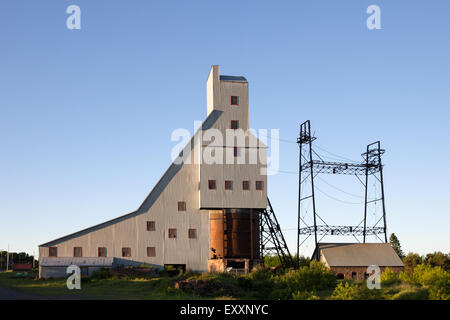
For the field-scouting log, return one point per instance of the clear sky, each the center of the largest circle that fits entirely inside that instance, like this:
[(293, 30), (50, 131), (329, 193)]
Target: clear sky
[(86, 115)]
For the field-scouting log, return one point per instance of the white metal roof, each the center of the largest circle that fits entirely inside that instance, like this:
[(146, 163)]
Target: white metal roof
[(359, 254), (81, 262)]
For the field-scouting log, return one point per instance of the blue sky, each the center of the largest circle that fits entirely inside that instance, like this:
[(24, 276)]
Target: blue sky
[(86, 115)]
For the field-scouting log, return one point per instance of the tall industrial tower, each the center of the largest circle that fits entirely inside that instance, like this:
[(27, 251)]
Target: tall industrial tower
[(311, 165)]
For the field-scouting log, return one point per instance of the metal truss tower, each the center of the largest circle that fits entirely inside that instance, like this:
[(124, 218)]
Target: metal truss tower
[(272, 239), (311, 164)]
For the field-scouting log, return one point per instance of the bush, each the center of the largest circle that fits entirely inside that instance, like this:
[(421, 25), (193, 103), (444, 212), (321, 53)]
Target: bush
[(435, 279), (100, 274), (389, 277), (305, 295), (411, 294), (313, 278), (345, 292)]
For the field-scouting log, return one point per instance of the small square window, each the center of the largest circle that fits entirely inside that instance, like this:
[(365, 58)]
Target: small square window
[(212, 184), (53, 252), (151, 252), (246, 185), (126, 252), (192, 233), (172, 233), (259, 185), (234, 100), (77, 251), (228, 185), (151, 226), (234, 124), (102, 252), (181, 205)]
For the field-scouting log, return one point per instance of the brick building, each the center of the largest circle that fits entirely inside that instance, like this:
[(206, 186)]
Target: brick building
[(350, 260)]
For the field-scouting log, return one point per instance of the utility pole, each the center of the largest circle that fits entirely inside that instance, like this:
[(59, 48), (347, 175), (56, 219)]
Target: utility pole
[(7, 259)]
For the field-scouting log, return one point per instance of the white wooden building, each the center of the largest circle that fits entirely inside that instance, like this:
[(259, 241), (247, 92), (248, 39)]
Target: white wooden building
[(199, 215)]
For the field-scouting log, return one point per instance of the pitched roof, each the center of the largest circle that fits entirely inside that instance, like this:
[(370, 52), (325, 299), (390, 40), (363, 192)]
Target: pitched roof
[(153, 195), (359, 254)]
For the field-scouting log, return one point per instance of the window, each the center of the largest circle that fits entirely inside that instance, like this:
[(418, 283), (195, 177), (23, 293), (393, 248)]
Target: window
[(235, 151), (126, 252), (212, 184), (354, 275), (192, 233), (151, 226), (53, 252), (246, 185), (340, 276), (151, 252), (172, 233), (234, 124), (77, 251), (181, 205), (234, 100), (102, 252), (228, 185), (259, 185)]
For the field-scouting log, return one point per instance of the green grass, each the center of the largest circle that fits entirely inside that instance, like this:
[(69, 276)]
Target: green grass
[(311, 281)]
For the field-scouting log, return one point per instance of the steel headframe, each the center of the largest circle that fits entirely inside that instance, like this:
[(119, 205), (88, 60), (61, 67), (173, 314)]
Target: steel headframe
[(309, 168), (272, 241)]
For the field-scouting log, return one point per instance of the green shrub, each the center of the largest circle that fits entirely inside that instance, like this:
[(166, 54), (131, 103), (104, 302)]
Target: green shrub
[(389, 277), (438, 293), (435, 279), (411, 294), (313, 278), (304, 295), (100, 274), (345, 292)]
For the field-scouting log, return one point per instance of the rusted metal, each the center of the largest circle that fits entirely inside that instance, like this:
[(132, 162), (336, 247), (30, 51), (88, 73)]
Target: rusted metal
[(233, 233)]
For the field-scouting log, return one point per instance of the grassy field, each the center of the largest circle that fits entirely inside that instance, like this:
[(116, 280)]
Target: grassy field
[(311, 282)]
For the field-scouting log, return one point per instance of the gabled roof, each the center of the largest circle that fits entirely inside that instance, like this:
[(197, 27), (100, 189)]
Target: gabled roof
[(153, 195), (359, 254)]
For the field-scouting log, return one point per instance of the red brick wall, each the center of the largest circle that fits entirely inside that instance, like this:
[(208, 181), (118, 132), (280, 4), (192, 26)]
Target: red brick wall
[(360, 271)]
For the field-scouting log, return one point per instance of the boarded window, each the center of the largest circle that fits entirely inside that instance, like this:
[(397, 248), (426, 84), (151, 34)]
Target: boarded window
[(151, 226), (212, 184), (126, 252), (192, 233), (181, 205), (228, 185), (77, 251), (234, 100), (151, 252), (234, 124), (53, 252), (102, 252), (245, 185), (172, 233), (259, 185)]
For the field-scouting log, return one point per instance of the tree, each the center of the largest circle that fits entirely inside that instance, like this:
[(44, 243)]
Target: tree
[(412, 260), (395, 244), (438, 259)]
